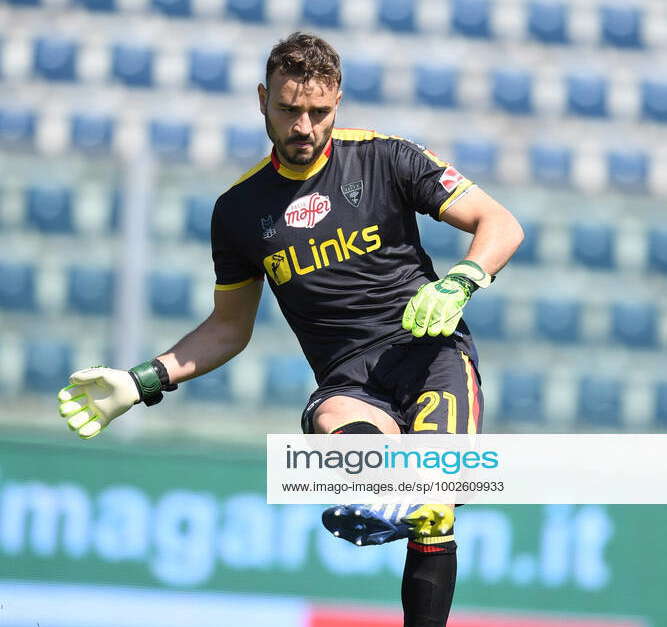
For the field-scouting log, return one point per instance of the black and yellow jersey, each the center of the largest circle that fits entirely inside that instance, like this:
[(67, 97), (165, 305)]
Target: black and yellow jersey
[(339, 242)]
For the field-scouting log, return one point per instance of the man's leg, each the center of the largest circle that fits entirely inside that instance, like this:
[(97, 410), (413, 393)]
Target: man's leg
[(353, 416)]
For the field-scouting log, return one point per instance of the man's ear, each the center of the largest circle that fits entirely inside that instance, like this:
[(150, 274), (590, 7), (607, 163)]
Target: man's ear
[(263, 97), (339, 95)]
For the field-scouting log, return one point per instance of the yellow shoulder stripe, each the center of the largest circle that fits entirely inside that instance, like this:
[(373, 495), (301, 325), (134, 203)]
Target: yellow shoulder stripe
[(356, 134), (463, 186), (256, 168), (228, 287)]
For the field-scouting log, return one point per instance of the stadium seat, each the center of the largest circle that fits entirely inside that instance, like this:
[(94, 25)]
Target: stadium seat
[(627, 169), (621, 26), (476, 158), (593, 245), (17, 126), (439, 239), (48, 364), (654, 99), (287, 380), (548, 21), (132, 65), (512, 90), (209, 70), (635, 324), (173, 8), (362, 81), (98, 5), (49, 209), (93, 133), (397, 15), (485, 315), (170, 294), (90, 290), (657, 249), (471, 18), (600, 401), (17, 286), (522, 396), (322, 13), (551, 164), (558, 320), (246, 144), (247, 10), (435, 85), (170, 139), (114, 213), (661, 403), (213, 386), (55, 59), (527, 251), (198, 210), (587, 94)]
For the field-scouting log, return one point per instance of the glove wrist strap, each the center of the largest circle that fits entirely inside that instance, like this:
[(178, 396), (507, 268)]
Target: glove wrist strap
[(472, 272), (151, 379)]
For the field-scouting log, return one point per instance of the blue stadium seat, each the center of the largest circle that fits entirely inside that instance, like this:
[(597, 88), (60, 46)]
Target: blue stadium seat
[(627, 169), (198, 210), (246, 144), (522, 396), (398, 15), (551, 164), (436, 85), (173, 8), (90, 290), (600, 401), (587, 94), (48, 364), (362, 81), (114, 213), (17, 286), (635, 324), (513, 90), (93, 133), (170, 139), (98, 5), (323, 13), (657, 249), (558, 320), (593, 245), (654, 99), (476, 158), (132, 65), (485, 315), (170, 294), (17, 126), (213, 386), (621, 26), (287, 380), (439, 239), (471, 18), (209, 70), (55, 59), (49, 209), (661, 403), (548, 21), (247, 10), (527, 251)]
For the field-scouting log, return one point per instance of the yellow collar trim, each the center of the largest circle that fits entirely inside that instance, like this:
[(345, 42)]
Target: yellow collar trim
[(293, 175)]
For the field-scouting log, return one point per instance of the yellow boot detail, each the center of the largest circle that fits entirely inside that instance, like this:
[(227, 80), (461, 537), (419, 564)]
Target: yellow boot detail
[(430, 521)]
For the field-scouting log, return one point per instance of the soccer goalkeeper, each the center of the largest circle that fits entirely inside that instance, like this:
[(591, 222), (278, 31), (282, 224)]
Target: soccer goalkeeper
[(329, 218)]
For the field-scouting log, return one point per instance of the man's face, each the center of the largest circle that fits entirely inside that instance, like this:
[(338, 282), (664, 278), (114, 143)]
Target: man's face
[(299, 117)]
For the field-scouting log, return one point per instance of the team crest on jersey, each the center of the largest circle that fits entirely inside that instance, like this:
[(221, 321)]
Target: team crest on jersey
[(307, 211), (353, 192), (268, 228), (450, 179), (277, 267)]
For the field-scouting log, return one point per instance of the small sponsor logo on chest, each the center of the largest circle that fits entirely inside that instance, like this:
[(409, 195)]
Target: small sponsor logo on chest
[(307, 211)]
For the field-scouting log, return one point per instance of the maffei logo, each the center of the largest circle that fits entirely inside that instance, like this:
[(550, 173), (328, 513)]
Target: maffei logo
[(307, 211)]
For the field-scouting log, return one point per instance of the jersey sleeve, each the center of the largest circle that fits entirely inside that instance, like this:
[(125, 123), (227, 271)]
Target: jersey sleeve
[(429, 184), (232, 269)]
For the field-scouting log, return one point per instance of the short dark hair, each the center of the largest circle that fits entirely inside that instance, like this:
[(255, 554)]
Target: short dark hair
[(307, 57)]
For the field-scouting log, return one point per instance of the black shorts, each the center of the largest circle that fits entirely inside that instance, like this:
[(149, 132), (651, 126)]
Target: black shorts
[(425, 385)]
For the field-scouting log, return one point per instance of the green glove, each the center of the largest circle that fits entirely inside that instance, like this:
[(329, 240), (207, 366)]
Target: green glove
[(437, 307), (97, 395)]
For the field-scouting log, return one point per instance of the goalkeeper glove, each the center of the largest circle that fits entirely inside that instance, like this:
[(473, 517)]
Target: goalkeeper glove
[(97, 395), (437, 307)]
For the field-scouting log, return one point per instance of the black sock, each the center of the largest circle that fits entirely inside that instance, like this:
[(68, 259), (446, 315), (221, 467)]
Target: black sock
[(358, 426), (428, 584)]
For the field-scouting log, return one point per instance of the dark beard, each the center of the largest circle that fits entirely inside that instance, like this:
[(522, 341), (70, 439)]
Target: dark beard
[(300, 160)]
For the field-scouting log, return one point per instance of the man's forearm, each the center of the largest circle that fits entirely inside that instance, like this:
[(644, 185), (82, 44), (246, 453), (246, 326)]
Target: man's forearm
[(495, 240)]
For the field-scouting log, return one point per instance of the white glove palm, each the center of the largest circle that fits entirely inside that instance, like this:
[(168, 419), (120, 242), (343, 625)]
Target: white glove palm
[(95, 397)]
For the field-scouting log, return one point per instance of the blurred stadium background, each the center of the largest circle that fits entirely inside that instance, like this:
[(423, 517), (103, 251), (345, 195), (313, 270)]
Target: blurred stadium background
[(120, 123)]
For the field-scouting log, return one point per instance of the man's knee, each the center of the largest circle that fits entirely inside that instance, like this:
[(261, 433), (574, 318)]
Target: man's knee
[(327, 423)]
